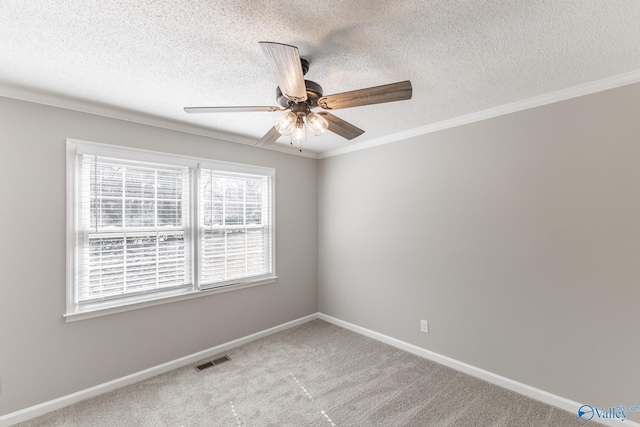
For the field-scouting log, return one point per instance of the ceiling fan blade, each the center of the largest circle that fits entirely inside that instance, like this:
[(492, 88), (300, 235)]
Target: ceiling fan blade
[(285, 62), (341, 127), (373, 95), (195, 110), (269, 138)]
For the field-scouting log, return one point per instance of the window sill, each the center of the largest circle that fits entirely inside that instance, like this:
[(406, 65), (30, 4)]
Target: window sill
[(111, 307)]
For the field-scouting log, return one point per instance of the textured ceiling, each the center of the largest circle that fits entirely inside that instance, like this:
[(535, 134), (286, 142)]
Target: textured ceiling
[(157, 56)]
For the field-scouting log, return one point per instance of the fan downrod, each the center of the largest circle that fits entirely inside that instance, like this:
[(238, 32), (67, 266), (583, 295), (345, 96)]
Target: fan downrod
[(305, 66)]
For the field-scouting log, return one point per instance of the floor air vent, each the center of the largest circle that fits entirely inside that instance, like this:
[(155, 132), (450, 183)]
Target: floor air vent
[(214, 362)]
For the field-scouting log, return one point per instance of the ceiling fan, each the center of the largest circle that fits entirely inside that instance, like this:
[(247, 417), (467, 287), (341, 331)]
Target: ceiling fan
[(300, 96)]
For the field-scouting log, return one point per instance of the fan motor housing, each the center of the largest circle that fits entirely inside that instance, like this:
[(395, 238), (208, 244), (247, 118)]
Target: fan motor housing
[(314, 92)]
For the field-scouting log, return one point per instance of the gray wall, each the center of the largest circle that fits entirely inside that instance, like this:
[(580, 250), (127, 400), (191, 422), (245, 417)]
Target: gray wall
[(517, 238), (41, 356)]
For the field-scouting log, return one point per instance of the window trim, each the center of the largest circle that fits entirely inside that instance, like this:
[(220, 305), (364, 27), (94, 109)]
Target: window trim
[(74, 147)]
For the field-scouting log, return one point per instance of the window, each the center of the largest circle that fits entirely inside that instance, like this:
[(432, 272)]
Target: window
[(146, 228), (233, 232)]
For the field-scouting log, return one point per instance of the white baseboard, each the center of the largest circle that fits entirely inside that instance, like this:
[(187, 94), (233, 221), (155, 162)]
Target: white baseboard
[(43, 408), (509, 384)]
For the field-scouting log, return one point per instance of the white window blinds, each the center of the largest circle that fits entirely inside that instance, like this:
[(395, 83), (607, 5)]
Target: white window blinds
[(144, 228), (235, 226), (132, 228)]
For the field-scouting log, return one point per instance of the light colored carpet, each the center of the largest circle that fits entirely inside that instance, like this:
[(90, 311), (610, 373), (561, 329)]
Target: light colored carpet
[(316, 374)]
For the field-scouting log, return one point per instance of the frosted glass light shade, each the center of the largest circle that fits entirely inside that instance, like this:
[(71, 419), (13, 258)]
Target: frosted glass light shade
[(285, 124), (317, 123), (299, 133)]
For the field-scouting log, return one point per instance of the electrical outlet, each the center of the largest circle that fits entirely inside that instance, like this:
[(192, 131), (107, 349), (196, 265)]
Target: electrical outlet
[(424, 326)]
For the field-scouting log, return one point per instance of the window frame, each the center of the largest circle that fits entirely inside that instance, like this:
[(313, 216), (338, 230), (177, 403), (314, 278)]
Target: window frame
[(242, 173), (75, 311)]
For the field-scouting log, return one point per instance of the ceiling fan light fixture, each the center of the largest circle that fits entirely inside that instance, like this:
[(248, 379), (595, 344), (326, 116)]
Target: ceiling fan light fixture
[(317, 123), (299, 96), (285, 124)]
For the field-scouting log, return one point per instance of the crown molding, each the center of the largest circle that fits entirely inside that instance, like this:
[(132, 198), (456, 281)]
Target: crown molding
[(55, 100), (536, 101), (31, 95)]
